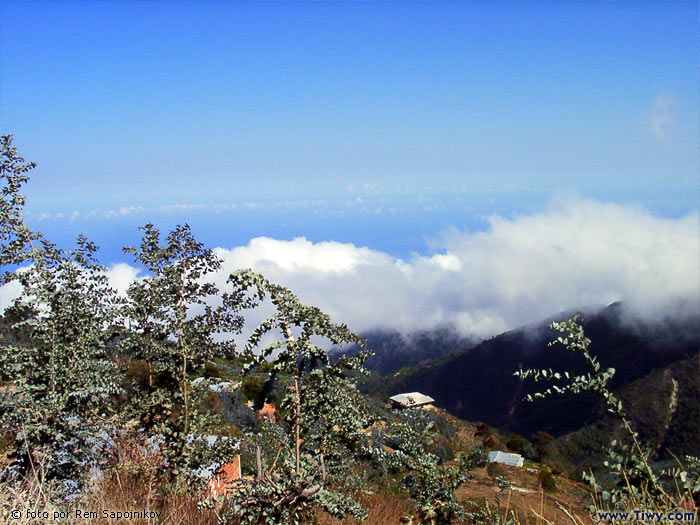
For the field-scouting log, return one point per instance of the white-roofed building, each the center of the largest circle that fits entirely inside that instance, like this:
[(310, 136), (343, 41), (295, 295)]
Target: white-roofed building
[(411, 400), (506, 458)]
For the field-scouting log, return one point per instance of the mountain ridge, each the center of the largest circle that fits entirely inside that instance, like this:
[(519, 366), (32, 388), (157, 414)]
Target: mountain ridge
[(477, 383)]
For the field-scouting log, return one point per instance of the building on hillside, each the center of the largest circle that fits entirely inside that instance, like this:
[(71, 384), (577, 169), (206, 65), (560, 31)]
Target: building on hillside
[(506, 458), (224, 477), (411, 400), (267, 412)]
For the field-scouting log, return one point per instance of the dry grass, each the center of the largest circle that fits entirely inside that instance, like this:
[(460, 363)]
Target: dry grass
[(137, 482), (134, 483), (127, 492), (383, 508), (530, 504)]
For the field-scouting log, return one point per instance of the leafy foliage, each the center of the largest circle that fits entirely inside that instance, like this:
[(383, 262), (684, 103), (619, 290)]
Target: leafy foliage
[(61, 376), (54, 357), (546, 480), (429, 481), (174, 329), (304, 463), (16, 239), (628, 459)]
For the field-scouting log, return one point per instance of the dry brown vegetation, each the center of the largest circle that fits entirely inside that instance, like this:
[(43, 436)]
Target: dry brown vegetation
[(526, 498), (136, 482), (383, 508)]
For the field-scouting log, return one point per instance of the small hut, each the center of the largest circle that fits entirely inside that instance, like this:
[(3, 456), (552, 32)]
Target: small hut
[(227, 473), (411, 400), (506, 458)]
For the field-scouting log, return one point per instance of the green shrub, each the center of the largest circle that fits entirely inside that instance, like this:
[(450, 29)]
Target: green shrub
[(494, 470), (251, 387), (547, 481), (544, 445), (211, 370), (442, 449), (447, 429), (6, 442), (138, 373), (557, 468), (213, 403), (516, 443)]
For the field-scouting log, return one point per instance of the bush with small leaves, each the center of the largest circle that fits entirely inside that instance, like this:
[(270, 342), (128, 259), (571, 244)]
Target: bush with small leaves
[(177, 322), (54, 352), (516, 443), (17, 240), (305, 463), (61, 377), (251, 387), (211, 370), (628, 459), (546, 480), (429, 482), (494, 470)]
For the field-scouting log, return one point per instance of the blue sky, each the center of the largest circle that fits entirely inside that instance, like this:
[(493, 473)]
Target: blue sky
[(382, 124)]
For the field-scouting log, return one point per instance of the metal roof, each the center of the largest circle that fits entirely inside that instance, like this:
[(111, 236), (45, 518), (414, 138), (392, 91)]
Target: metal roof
[(497, 456), (412, 399)]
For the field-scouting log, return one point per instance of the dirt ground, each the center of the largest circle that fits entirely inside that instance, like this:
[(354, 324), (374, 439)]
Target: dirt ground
[(527, 499)]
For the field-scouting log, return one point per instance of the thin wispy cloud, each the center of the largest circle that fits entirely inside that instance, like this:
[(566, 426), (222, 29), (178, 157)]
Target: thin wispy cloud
[(662, 115), (365, 204)]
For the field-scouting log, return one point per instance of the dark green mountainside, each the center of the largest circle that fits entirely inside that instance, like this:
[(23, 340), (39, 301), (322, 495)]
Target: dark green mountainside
[(663, 407), (393, 351), (478, 384)]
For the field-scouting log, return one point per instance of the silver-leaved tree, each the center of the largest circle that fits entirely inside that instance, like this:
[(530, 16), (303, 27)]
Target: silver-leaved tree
[(64, 385), (307, 462), (176, 321), (57, 379), (429, 481), (16, 239), (629, 459)]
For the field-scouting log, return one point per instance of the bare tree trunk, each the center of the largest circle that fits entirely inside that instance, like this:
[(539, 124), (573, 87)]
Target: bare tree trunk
[(297, 402), (258, 463), (298, 416)]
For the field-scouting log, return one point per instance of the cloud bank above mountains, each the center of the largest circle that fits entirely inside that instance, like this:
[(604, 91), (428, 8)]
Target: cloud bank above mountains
[(576, 253), (521, 270)]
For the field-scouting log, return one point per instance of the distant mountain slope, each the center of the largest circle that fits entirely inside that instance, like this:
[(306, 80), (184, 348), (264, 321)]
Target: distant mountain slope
[(393, 350), (478, 384), (663, 408)]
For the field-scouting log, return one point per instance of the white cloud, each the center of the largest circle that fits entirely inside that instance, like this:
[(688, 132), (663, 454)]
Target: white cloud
[(370, 188), (182, 207), (121, 276), (662, 115), (129, 210), (8, 293), (576, 253)]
